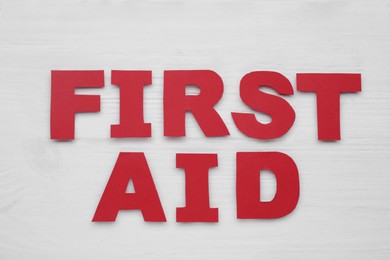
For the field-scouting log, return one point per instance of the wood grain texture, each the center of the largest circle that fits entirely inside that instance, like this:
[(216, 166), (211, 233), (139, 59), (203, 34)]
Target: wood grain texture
[(49, 190)]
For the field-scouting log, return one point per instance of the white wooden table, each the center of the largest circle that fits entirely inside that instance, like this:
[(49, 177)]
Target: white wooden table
[(49, 190)]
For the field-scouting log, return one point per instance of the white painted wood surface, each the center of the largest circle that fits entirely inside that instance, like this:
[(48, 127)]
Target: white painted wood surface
[(49, 190)]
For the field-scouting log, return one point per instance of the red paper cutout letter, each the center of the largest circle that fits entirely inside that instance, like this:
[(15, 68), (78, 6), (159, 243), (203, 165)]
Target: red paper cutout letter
[(65, 104), (282, 113), (176, 102), (249, 166), (135, 167), (131, 85), (328, 88), (197, 207)]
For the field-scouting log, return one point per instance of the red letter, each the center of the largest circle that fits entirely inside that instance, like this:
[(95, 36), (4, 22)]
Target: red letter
[(328, 88), (282, 113), (197, 207), (131, 85), (145, 198), (65, 104), (249, 166), (176, 102)]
